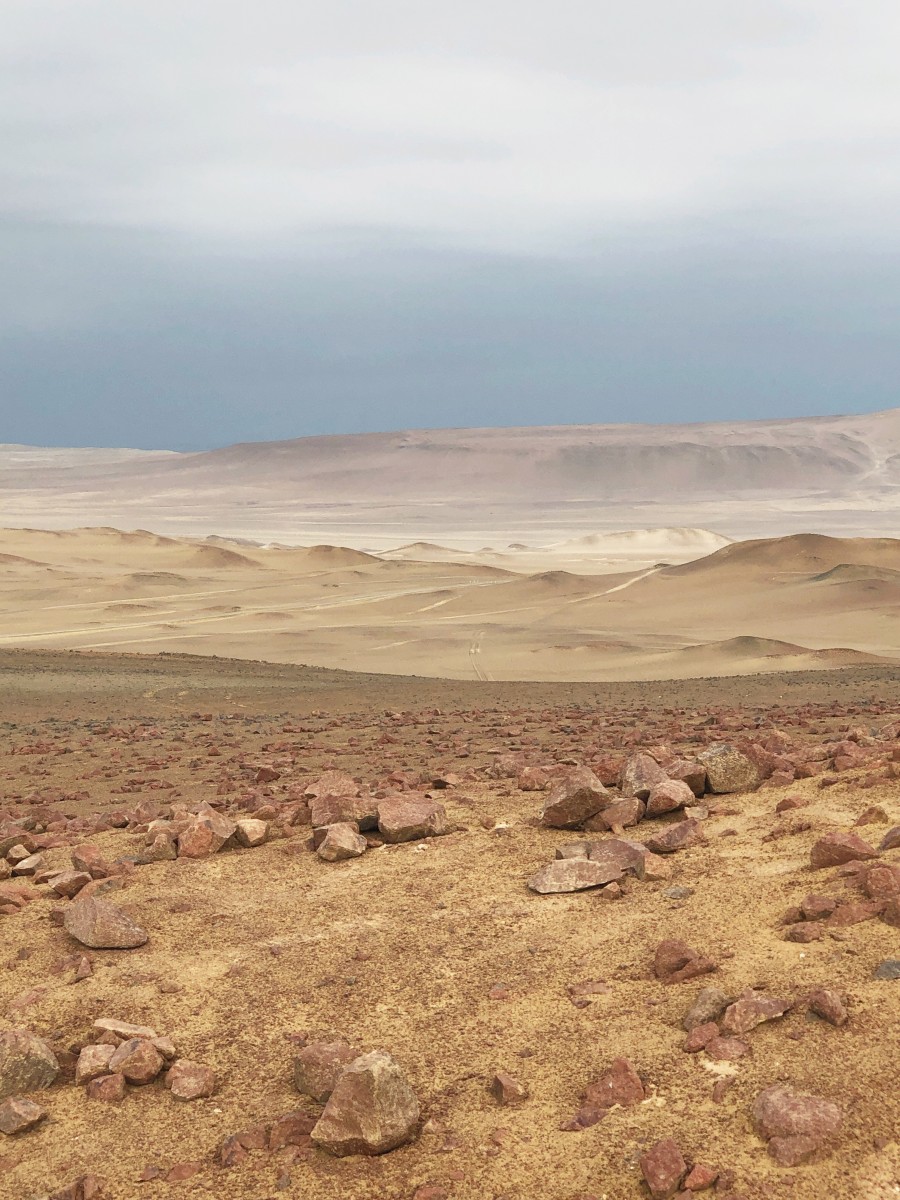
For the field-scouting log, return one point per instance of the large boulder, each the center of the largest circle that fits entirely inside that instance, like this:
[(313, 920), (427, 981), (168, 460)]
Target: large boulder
[(729, 769), (372, 1109), (338, 810), (408, 818), (575, 800), (26, 1063), (641, 773), (102, 926)]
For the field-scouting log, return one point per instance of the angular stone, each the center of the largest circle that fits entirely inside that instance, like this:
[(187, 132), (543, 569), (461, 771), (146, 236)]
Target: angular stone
[(138, 1060), (506, 1089), (206, 834), (333, 783), (621, 1084), (69, 883), (108, 1088), (618, 815), (709, 1005), (18, 1114), (341, 842), (123, 1029), (689, 771), (882, 882), (89, 859), (372, 1109), (891, 840), (406, 819), (837, 848), (93, 1061), (828, 1005), (749, 1011), (102, 926), (250, 832), (891, 914), (291, 1129), (700, 1036), (573, 875), (675, 962), (28, 865), (640, 775), (668, 796), (318, 1067), (574, 799), (188, 1080), (729, 769), (805, 931), (362, 811), (700, 1177), (663, 1167), (27, 1063), (726, 1049), (162, 848), (779, 1111), (679, 836)]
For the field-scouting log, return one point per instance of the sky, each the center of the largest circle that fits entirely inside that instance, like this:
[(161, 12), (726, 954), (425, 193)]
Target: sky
[(225, 222)]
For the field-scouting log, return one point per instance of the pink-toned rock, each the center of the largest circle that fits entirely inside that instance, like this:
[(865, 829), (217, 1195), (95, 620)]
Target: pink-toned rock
[(406, 819), (618, 815), (250, 832), (837, 848), (205, 835), (341, 842), (882, 882), (792, 1151), (629, 857), (93, 1061), (138, 1060), (69, 883), (123, 1030), (573, 875), (675, 962), (89, 859), (318, 1067), (621, 1084), (817, 907), (640, 775), (162, 848), (805, 931), (333, 783), (679, 836), (751, 1010), (689, 771), (891, 914), (700, 1177), (853, 913), (27, 1063), (506, 1089), (726, 1049), (29, 865), (372, 1109), (656, 868), (290, 1129), (533, 779), (102, 926), (188, 1080), (729, 769), (779, 1111), (668, 796), (18, 1114), (663, 1167), (700, 1036), (574, 799), (828, 1005), (362, 811), (891, 840), (108, 1088)]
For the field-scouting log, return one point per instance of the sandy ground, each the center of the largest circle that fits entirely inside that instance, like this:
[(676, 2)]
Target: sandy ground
[(796, 603), (400, 949)]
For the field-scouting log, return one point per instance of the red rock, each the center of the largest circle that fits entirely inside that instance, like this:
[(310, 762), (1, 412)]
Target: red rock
[(675, 962), (700, 1036), (573, 875), (726, 1049), (89, 859), (102, 926), (318, 1067), (205, 835), (506, 1089), (700, 1177), (109, 1088), (18, 1113), (69, 883), (668, 796), (182, 1171), (93, 1061), (792, 1151), (891, 840), (138, 1060), (333, 783), (827, 1004), (586, 1117), (676, 837), (751, 1010), (406, 819), (250, 832), (621, 1084), (640, 775), (291, 1129), (123, 1030), (853, 913), (816, 908), (891, 914), (362, 811), (789, 803), (372, 1109), (689, 771), (779, 1111), (231, 1152), (882, 882), (663, 1168), (618, 815), (574, 799), (340, 843), (805, 931), (188, 1080), (27, 1063), (266, 775), (533, 779), (837, 848), (430, 1191)]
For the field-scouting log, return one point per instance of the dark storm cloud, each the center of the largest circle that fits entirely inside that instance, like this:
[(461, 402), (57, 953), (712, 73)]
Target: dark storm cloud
[(225, 222)]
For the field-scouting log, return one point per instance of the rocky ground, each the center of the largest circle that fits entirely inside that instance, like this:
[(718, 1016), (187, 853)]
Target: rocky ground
[(273, 931)]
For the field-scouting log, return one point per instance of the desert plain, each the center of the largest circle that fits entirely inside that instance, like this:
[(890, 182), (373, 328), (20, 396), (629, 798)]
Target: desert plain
[(592, 829)]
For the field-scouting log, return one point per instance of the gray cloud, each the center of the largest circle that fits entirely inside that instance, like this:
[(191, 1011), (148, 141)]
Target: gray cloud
[(221, 221)]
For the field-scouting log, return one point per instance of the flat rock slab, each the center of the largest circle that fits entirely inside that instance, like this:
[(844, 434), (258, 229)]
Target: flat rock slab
[(26, 1063), (573, 875), (102, 926)]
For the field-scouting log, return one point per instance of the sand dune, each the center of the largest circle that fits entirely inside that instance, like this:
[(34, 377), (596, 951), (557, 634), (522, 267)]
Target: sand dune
[(796, 603)]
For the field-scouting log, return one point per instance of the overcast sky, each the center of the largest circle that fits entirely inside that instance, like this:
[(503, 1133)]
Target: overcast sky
[(223, 221)]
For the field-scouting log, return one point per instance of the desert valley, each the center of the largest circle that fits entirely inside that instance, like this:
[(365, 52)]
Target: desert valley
[(453, 815)]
